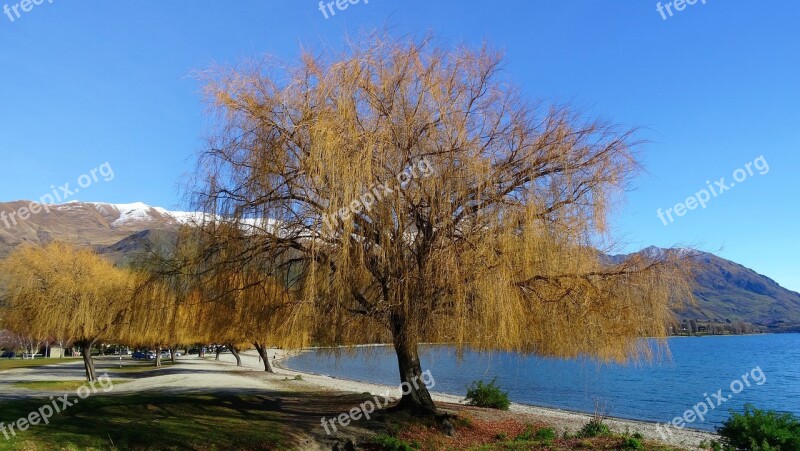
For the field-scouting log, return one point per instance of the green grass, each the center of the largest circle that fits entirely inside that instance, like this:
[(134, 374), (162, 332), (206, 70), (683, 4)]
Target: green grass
[(50, 385), (6, 364), (151, 422)]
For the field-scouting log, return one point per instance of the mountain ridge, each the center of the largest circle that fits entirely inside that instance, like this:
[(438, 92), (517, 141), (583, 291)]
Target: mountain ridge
[(727, 292)]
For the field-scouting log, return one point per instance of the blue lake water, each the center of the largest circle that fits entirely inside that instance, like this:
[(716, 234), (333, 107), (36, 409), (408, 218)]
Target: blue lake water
[(660, 391)]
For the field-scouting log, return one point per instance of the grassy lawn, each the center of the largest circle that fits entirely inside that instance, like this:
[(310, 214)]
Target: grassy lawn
[(7, 364), (151, 422)]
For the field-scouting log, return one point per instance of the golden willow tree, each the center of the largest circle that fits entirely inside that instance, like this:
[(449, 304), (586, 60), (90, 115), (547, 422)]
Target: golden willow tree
[(161, 315), (416, 196), (192, 294), (62, 291), (249, 297), (165, 308)]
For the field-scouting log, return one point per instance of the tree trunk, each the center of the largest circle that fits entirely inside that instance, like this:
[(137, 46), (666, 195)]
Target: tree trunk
[(88, 363), (219, 351), (416, 397), (158, 356), (262, 351), (172, 351), (235, 353)]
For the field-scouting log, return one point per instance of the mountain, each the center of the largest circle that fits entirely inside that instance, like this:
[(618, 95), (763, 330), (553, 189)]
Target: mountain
[(83, 223), (127, 251), (726, 291)]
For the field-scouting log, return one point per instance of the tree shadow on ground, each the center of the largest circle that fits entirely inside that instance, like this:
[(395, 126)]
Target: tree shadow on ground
[(248, 419)]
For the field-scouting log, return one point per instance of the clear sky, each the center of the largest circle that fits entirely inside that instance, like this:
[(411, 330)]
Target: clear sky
[(714, 87)]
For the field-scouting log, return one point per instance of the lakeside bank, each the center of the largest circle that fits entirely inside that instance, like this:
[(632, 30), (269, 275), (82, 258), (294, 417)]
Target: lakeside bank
[(559, 419)]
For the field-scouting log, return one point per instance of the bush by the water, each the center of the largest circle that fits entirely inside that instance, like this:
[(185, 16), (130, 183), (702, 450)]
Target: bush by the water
[(487, 395), (632, 443), (759, 430), (545, 434), (594, 428)]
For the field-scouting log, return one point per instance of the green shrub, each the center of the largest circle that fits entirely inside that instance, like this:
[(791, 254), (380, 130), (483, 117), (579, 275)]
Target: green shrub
[(717, 446), (545, 435), (487, 395), (759, 430), (594, 428), (632, 443), (525, 435), (389, 443)]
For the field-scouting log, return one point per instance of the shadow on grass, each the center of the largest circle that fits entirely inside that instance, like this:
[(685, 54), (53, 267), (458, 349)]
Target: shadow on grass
[(250, 420)]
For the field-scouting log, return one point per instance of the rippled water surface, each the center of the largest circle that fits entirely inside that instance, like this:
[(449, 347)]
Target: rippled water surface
[(698, 368)]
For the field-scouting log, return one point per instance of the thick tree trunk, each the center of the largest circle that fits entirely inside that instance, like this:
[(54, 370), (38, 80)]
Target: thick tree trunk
[(416, 397), (172, 351), (219, 351), (88, 363), (262, 351), (235, 353), (158, 356)]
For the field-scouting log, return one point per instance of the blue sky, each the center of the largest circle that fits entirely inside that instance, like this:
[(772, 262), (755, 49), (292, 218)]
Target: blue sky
[(712, 88)]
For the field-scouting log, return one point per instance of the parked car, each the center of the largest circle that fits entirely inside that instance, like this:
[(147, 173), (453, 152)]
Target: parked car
[(8, 355), (139, 356)]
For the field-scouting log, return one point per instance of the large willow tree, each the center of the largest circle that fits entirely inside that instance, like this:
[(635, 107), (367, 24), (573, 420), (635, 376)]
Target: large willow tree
[(486, 218), (62, 291)]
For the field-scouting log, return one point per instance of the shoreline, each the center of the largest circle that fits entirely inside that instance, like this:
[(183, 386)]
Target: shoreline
[(560, 419)]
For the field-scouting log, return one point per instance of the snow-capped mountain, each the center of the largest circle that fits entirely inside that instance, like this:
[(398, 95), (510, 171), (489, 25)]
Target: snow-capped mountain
[(87, 223), (138, 213)]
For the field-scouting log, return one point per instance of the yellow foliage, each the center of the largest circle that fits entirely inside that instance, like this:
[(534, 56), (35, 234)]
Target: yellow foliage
[(62, 291)]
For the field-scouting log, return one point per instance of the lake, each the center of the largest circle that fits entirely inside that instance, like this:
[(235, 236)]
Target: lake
[(694, 373)]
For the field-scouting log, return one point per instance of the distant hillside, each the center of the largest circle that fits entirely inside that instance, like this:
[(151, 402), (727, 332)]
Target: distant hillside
[(138, 245), (88, 224), (726, 291)]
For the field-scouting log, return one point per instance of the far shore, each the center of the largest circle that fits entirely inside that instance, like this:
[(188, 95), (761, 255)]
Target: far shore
[(560, 419)]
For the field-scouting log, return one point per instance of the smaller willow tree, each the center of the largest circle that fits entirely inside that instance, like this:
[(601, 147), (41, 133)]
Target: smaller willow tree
[(421, 198), (249, 297), (63, 291), (166, 309), (194, 294)]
